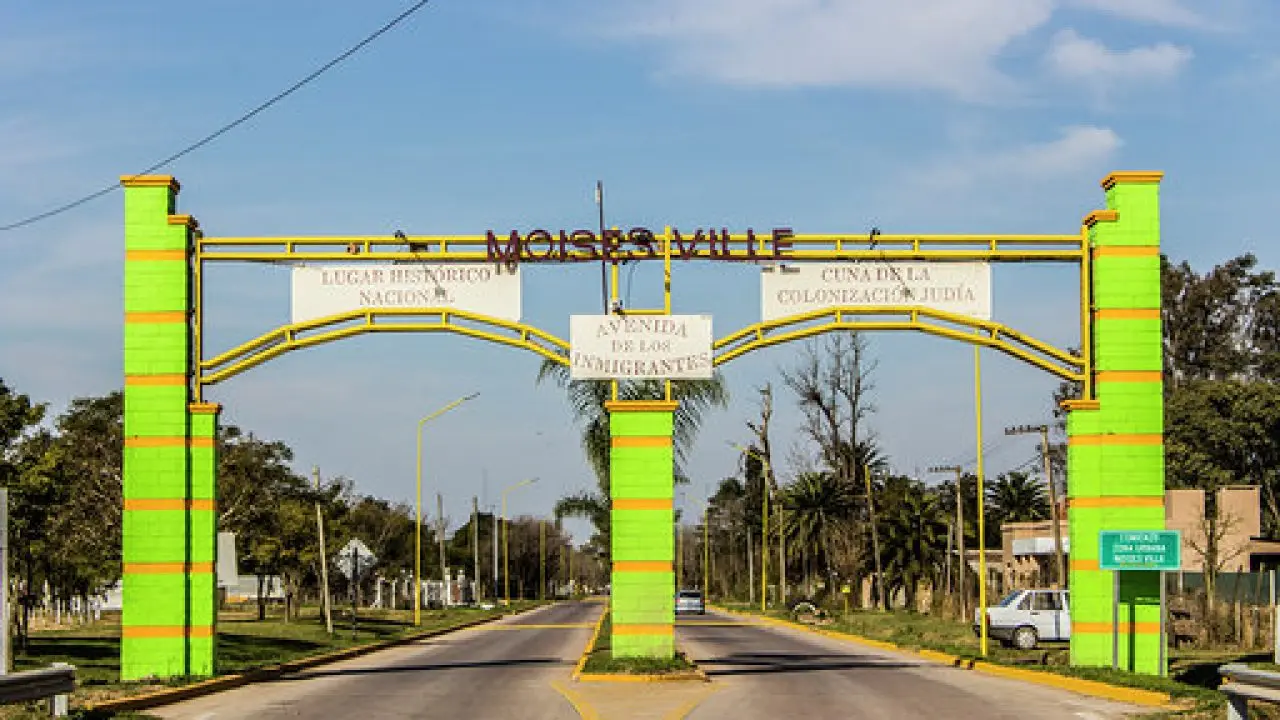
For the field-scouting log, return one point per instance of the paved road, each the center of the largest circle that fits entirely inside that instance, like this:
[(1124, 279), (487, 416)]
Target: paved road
[(520, 669), (771, 672), (503, 670)]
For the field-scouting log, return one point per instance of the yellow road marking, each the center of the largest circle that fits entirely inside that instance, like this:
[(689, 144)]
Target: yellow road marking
[(580, 706)]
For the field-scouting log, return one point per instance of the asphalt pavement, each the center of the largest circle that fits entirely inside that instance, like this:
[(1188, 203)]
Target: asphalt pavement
[(500, 670), (768, 672), (520, 668)]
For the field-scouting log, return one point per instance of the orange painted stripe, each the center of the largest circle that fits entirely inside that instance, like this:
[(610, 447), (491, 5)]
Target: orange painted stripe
[(1117, 501), (643, 629), (1143, 628), (155, 317), (1131, 376), (641, 406), (1098, 216), (155, 255), (165, 631), (1128, 251), (168, 380), (641, 441), (651, 566), (1075, 405), (166, 568), (149, 181), (1084, 565), (1127, 313), (1116, 440), (155, 442), (642, 504), (167, 442), (168, 504)]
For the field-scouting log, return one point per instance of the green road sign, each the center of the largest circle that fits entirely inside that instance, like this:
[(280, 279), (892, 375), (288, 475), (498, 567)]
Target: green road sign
[(1139, 550)]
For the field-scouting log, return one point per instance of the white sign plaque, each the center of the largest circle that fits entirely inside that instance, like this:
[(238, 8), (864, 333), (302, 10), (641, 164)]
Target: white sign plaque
[(960, 288), (672, 347), (356, 557), (483, 288)]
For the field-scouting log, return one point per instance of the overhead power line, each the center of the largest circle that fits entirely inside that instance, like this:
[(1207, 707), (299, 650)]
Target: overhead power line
[(229, 126)]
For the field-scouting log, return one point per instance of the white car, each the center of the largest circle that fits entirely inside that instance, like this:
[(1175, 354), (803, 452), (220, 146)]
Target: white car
[(690, 601), (1024, 618)]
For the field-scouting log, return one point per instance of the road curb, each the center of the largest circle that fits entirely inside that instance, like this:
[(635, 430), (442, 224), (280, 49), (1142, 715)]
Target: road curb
[(1092, 688), (579, 676), (227, 682)]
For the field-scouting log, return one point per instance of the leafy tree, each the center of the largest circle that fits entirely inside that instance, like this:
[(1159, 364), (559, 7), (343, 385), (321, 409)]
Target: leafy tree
[(254, 478)]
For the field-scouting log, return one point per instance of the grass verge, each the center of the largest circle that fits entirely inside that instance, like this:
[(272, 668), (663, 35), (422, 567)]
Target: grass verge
[(244, 644), (601, 660)]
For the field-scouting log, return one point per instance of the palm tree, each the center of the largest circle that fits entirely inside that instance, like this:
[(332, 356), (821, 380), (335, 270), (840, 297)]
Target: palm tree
[(819, 507), (1017, 497), (587, 399), (913, 538)]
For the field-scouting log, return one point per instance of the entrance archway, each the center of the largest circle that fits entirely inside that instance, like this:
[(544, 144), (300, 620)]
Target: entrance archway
[(1115, 427)]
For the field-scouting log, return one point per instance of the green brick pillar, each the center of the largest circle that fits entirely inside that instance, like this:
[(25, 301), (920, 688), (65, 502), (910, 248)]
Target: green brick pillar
[(1116, 438), (154, 621), (202, 527), (642, 485)]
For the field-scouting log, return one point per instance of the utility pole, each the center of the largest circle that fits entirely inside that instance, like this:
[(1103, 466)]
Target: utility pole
[(475, 543), (444, 568), (782, 546), (324, 557), (679, 544), (495, 556), (964, 604), (4, 582), (706, 554), (1059, 562), (875, 536), (542, 559)]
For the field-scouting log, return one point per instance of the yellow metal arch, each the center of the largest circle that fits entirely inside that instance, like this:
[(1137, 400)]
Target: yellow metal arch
[(297, 336), (933, 322)]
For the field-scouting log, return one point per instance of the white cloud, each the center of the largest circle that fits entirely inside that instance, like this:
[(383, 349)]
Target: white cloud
[(1085, 59), (946, 45), (1078, 150), (1159, 12)]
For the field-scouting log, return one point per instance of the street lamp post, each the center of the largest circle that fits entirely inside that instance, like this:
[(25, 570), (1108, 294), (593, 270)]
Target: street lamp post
[(417, 554), (506, 557)]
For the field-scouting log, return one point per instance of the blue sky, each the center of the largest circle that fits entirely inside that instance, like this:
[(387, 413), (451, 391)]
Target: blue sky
[(823, 115)]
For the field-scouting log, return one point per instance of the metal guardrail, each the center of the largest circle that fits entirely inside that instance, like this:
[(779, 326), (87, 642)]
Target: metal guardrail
[(55, 683), (1244, 684)]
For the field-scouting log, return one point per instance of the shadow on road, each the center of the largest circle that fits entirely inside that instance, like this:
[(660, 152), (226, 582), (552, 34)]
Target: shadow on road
[(482, 665), (782, 663)]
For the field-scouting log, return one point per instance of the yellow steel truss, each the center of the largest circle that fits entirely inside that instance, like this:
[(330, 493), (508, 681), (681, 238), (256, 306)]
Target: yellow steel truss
[(925, 320), (473, 248), (296, 336)]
